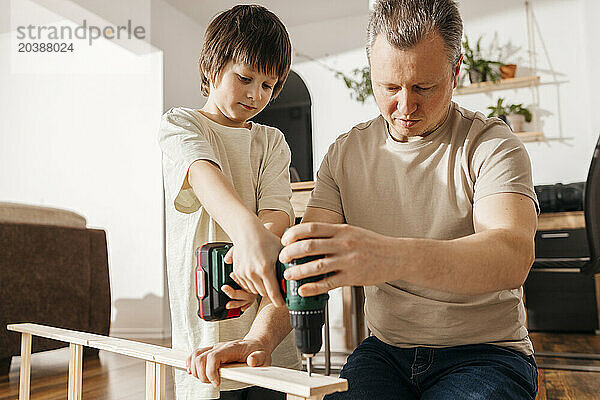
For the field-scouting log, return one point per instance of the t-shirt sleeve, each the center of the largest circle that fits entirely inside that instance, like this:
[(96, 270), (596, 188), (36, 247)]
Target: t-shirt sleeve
[(182, 141), (274, 191), (326, 193), (501, 164)]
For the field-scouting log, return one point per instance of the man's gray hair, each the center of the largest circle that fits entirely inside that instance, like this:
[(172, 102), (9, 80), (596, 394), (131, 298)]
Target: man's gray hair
[(404, 23)]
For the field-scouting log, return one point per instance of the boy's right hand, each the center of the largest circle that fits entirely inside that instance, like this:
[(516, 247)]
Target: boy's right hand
[(239, 298), (254, 256)]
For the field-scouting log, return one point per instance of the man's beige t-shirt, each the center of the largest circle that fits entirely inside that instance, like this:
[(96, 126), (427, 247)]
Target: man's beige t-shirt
[(256, 161), (426, 189)]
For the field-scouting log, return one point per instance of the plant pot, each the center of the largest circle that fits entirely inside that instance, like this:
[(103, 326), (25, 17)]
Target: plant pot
[(516, 122), (476, 76), (508, 71)]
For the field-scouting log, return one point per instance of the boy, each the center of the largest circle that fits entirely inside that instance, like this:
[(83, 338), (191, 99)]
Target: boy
[(227, 179)]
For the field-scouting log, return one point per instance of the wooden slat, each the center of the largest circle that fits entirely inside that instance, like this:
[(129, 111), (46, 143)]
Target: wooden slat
[(293, 382), (347, 320), (292, 397), (24, 384), (64, 335), (75, 371), (155, 381), (281, 379)]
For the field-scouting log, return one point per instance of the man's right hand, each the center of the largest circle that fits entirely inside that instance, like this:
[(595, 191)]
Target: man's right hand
[(254, 255)]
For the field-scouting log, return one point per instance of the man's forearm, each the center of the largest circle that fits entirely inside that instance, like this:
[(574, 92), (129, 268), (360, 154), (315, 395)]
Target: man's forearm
[(483, 262)]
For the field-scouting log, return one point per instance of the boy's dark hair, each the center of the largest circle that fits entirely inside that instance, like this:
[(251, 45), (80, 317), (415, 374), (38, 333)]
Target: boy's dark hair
[(248, 34)]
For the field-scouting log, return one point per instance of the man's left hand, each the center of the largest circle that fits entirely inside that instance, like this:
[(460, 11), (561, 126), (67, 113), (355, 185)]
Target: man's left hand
[(204, 363), (355, 256)]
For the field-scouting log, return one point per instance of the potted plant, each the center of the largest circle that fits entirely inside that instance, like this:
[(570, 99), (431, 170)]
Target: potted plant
[(478, 68), (508, 71), (515, 115), (499, 110)]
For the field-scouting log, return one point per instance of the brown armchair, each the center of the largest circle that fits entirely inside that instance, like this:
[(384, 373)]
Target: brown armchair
[(53, 271)]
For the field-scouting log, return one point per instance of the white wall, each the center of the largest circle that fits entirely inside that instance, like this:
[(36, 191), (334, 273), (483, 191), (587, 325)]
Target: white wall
[(78, 131), (564, 60), (180, 39), (334, 112)]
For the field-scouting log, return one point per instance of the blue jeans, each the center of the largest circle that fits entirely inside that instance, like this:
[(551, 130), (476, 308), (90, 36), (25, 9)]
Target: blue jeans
[(376, 370)]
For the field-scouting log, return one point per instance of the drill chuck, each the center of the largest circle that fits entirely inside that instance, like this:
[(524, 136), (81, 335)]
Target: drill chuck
[(307, 330)]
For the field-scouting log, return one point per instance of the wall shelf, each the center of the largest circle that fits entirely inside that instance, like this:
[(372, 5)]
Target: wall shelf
[(530, 136), (512, 83)]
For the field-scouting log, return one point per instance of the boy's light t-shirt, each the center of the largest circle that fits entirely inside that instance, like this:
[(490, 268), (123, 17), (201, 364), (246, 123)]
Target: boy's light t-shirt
[(256, 161)]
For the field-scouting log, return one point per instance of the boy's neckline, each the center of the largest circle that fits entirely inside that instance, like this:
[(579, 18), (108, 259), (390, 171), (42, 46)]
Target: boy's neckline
[(248, 126)]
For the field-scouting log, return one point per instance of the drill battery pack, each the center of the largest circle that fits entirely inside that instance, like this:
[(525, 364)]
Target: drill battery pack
[(212, 273)]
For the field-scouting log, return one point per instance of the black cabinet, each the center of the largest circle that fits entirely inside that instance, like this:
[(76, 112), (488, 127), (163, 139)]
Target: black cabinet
[(558, 296)]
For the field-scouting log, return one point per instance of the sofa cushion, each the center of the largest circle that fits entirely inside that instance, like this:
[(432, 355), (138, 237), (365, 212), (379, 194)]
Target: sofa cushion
[(38, 215)]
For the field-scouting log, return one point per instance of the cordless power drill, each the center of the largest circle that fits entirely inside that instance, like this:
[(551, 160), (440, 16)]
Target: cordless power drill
[(307, 314)]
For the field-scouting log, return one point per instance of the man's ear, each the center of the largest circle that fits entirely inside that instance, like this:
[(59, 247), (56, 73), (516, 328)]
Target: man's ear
[(456, 71)]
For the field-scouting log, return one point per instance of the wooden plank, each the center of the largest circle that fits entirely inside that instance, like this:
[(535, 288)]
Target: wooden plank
[(130, 348), (64, 335), (289, 381), (25, 374), (561, 220), (172, 357), (155, 381), (75, 371)]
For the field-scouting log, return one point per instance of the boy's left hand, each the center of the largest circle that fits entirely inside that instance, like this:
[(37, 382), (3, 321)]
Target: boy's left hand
[(239, 298), (204, 363)]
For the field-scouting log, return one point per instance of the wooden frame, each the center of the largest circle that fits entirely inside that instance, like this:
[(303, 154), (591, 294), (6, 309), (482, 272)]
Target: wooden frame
[(296, 384)]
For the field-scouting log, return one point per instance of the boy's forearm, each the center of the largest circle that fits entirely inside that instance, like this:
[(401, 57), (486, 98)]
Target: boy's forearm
[(271, 325), (221, 201), (275, 221)]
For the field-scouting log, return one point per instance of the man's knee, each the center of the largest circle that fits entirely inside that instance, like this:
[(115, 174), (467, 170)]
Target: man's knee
[(373, 372)]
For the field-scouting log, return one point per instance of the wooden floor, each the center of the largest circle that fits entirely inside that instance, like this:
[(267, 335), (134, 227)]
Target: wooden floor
[(113, 376)]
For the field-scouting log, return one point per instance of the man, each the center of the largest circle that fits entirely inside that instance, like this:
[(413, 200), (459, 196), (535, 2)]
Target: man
[(431, 208)]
